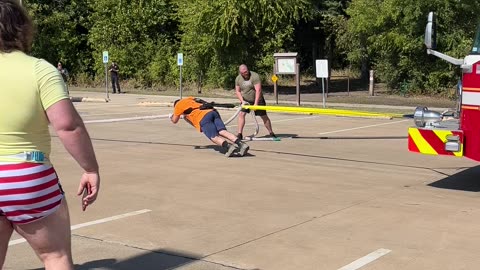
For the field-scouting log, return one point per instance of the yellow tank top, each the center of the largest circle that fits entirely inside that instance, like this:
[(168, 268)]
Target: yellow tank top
[(28, 87)]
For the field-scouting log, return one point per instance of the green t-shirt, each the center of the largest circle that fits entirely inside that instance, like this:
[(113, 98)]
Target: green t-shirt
[(28, 87), (247, 87)]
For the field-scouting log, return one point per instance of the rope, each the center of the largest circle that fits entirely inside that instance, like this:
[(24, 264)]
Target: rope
[(334, 112), (252, 113)]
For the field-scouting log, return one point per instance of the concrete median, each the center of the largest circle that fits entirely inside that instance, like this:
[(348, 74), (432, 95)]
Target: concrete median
[(87, 99)]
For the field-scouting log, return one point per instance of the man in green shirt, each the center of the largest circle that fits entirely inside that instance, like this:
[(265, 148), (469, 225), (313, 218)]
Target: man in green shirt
[(248, 88)]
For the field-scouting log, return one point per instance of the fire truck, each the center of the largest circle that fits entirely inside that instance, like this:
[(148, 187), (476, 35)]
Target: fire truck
[(455, 132)]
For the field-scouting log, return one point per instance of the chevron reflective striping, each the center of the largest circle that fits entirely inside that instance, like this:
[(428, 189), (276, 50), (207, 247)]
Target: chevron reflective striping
[(442, 135), (422, 144), (411, 144), (434, 141)]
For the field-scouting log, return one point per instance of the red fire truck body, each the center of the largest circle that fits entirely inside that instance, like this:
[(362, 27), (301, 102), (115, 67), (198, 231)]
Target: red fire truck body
[(454, 132)]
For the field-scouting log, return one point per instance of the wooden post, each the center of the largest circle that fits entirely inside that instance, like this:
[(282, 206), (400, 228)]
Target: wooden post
[(371, 90), (275, 92), (297, 79), (348, 81)]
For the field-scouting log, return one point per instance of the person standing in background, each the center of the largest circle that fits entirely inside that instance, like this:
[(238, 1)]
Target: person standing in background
[(114, 69), (64, 72)]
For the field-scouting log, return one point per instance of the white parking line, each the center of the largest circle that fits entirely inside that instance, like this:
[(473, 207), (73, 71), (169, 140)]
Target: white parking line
[(111, 120), (366, 259), (99, 221), (350, 129), (118, 113)]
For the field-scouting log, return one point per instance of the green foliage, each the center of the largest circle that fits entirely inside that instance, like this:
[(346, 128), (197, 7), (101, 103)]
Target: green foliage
[(220, 35), (144, 37), (137, 34), (388, 37), (61, 32)]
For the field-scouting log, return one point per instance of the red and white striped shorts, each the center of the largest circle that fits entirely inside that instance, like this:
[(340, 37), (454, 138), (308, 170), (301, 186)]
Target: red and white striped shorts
[(28, 191)]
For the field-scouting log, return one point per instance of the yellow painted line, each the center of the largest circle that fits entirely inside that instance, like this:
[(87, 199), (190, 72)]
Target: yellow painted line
[(422, 145), (442, 135), (336, 112)]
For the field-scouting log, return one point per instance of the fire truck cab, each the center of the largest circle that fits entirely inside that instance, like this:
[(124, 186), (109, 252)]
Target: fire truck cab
[(455, 132)]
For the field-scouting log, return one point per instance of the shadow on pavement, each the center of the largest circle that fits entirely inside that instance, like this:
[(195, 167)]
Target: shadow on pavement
[(220, 150), (351, 137), (466, 180), (153, 260)]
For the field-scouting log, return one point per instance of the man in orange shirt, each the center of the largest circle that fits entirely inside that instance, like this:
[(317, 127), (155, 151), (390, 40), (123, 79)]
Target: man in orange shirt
[(206, 119)]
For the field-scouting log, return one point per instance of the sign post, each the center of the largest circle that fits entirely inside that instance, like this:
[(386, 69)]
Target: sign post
[(180, 64), (105, 62), (321, 66), (275, 92), (286, 63)]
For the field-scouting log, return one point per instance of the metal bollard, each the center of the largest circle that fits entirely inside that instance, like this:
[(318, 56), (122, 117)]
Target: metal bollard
[(371, 91)]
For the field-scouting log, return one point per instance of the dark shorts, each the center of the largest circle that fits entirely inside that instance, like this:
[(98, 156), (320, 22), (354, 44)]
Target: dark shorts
[(211, 124), (261, 102)]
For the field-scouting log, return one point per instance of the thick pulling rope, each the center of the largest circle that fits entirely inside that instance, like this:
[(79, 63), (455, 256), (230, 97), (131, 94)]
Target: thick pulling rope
[(335, 112), (306, 110), (233, 116), (252, 113)]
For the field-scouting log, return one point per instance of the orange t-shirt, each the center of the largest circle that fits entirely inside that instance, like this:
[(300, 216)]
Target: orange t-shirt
[(196, 116)]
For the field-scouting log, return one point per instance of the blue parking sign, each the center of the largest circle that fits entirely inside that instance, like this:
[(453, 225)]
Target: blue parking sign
[(180, 59), (105, 57)]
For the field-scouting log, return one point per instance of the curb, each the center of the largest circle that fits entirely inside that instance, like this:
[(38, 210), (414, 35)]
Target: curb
[(87, 99), (170, 104), (155, 104)]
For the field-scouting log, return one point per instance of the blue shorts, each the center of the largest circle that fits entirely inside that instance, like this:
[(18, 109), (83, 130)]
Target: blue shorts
[(211, 124)]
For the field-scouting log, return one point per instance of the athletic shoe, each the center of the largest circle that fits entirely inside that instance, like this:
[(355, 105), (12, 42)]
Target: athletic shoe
[(231, 149), (243, 149), (272, 135), (240, 136)]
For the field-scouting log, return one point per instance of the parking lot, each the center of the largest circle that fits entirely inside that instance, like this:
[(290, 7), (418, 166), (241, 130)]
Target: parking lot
[(336, 193)]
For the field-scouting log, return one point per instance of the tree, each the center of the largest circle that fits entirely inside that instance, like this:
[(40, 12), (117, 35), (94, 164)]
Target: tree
[(61, 32), (219, 35), (388, 36), (138, 35), (316, 36)]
